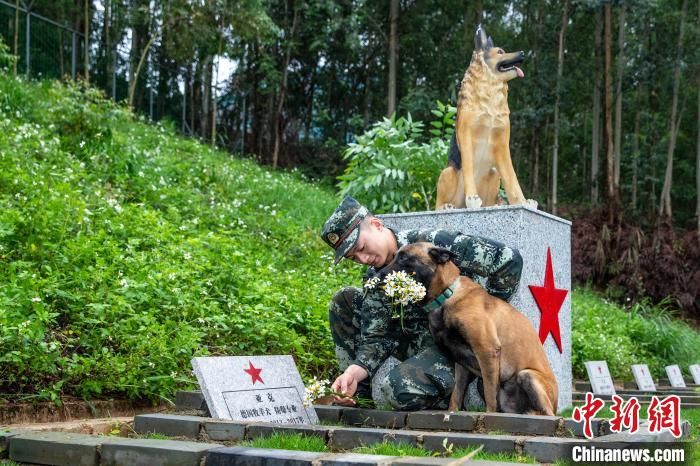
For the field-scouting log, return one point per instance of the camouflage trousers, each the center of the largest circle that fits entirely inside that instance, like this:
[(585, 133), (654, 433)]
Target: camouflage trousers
[(425, 376)]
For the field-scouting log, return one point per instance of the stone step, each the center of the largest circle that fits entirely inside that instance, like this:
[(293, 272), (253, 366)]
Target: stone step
[(263, 457), (661, 385), (69, 449)]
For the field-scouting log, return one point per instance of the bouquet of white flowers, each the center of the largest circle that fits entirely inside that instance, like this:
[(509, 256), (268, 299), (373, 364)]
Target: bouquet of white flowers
[(400, 288)]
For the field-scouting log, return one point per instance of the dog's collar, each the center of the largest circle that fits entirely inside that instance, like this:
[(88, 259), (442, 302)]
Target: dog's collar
[(442, 297)]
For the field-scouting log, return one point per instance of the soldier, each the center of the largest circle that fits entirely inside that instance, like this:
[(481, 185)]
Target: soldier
[(365, 328)]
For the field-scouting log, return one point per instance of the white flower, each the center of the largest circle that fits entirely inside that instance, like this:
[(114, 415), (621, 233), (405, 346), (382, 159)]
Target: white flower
[(372, 283), (187, 256), (36, 300), (316, 389)]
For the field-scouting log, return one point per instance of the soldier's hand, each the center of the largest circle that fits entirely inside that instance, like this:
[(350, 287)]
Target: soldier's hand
[(347, 382)]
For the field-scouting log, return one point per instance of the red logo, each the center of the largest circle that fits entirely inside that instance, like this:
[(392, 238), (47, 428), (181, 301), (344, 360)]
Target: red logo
[(665, 414), (626, 414), (549, 299), (254, 373), (587, 412)]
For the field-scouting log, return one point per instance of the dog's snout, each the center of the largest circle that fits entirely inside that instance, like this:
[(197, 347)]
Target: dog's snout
[(521, 55)]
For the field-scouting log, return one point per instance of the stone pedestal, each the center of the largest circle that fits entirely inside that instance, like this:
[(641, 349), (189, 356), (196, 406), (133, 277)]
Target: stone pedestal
[(533, 233)]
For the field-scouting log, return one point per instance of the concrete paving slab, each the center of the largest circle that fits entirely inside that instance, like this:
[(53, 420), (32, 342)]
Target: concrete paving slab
[(433, 441), (551, 449), (150, 452), (347, 438), (355, 459), (521, 423), (55, 448), (221, 429), (186, 400), (244, 456), (442, 420), (329, 413), (172, 425), (374, 418)]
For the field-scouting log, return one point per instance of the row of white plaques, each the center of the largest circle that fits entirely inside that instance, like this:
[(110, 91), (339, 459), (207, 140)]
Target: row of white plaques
[(602, 383)]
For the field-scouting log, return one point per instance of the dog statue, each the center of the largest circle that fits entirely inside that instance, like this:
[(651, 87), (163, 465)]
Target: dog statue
[(480, 154), (484, 335)]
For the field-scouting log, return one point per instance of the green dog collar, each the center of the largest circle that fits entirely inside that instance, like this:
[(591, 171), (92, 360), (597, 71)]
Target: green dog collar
[(442, 297)]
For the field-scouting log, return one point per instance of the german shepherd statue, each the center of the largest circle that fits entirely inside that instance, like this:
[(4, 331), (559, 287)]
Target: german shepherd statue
[(480, 154), (484, 335)]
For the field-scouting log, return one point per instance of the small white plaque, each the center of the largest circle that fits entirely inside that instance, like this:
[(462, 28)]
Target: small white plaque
[(643, 377), (600, 379), (675, 376), (253, 388), (695, 371)]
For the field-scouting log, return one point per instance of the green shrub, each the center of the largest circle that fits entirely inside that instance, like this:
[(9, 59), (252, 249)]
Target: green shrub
[(643, 334), (392, 168), (6, 58)]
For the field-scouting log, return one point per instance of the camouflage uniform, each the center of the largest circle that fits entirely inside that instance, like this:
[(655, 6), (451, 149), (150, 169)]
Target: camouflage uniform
[(367, 329)]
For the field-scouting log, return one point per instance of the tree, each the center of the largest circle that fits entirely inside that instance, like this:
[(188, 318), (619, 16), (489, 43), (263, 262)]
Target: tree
[(612, 195), (560, 70), (665, 201), (595, 116), (393, 54), (618, 98)]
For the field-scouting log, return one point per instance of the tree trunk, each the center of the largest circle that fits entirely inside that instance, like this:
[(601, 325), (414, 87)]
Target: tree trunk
[(635, 151), (595, 118), (106, 45), (560, 72), (283, 91), (137, 72), (618, 100), (15, 49), (612, 199), (697, 150), (87, 41), (665, 201), (207, 71), (393, 54)]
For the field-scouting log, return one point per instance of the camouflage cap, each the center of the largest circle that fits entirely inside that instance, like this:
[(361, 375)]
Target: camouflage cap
[(342, 228)]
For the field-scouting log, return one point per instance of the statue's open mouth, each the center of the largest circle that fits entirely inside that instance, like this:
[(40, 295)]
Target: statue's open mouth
[(508, 65)]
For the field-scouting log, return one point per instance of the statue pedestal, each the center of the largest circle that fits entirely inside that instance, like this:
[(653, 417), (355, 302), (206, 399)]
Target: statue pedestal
[(533, 233)]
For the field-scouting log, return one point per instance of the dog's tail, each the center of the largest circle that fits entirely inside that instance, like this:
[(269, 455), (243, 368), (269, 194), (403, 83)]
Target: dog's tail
[(454, 159)]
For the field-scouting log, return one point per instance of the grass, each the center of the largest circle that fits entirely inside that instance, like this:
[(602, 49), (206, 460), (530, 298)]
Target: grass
[(284, 441), (127, 250)]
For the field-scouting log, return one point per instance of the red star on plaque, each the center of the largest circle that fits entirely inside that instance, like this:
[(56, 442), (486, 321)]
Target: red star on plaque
[(254, 373), (549, 299)]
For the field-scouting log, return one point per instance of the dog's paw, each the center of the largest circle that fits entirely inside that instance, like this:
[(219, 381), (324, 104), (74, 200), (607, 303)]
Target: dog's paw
[(448, 207), (472, 202), (531, 203)]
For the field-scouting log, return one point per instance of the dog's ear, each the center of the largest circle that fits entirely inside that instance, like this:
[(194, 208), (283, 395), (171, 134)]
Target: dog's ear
[(489, 43), (441, 255), (481, 41)]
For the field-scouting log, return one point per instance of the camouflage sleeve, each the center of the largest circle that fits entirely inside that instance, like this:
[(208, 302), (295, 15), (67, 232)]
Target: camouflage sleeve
[(499, 264), (377, 337)]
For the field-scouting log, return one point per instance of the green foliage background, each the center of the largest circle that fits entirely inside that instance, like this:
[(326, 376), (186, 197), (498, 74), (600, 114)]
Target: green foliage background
[(126, 250)]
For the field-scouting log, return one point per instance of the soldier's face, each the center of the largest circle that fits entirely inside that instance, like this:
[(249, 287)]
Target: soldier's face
[(375, 246)]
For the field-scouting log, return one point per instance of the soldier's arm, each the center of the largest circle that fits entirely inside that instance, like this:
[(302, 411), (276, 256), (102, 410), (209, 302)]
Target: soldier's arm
[(498, 263), (377, 340)]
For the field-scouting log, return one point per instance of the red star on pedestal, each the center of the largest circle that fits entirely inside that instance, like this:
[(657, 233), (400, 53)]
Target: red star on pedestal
[(254, 373), (549, 299)]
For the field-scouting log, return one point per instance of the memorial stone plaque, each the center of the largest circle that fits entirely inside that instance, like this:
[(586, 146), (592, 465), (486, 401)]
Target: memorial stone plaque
[(253, 388), (695, 371), (643, 377), (675, 376), (600, 379)]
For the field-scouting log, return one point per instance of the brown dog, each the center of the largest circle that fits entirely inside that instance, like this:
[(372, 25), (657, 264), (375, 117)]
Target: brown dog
[(486, 336), (480, 154)]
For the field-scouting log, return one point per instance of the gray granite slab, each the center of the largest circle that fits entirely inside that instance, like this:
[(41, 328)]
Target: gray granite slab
[(642, 377), (374, 418), (168, 424), (532, 232), (244, 456), (521, 423), (253, 388), (695, 373), (221, 429), (599, 376), (442, 420), (423, 461), (55, 448), (149, 452), (675, 376), (492, 443)]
